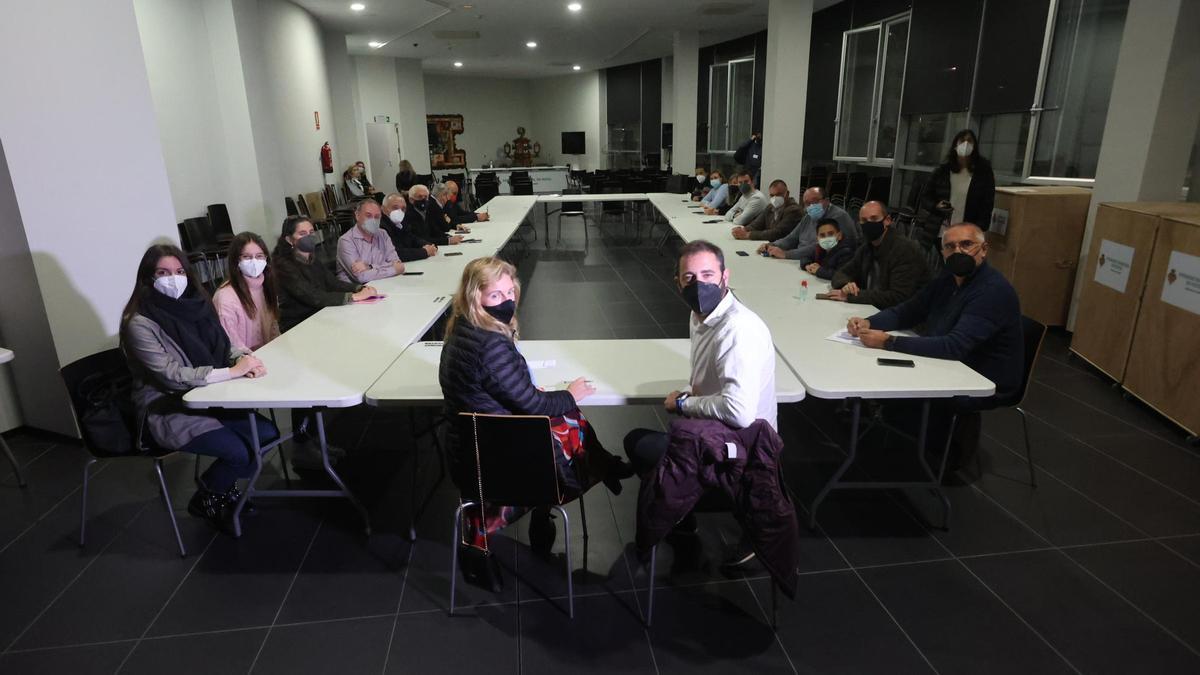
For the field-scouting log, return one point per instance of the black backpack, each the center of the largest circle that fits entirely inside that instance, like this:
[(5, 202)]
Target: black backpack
[(101, 390)]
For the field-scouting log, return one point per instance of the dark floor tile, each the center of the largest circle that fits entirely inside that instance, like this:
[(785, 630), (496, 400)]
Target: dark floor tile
[(483, 638), (54, 475), (957, 623), (1188, 547), (823, 628), (871, 528), (98, 659), (240, 583), (353, 646), (621, 314), (1161, 460), (978, 526), (716, 628), (1158, 581), (346, 576), (606, 635), (1086, 622), (118, 596), (223, 652), (427, 586)]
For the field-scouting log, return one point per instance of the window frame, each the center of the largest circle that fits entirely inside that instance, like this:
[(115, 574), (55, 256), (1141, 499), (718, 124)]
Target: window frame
[(728, 66), (882, 38)]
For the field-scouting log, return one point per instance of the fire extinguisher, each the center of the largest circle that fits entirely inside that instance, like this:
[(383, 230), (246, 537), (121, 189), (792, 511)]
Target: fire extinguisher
[(326, 158)]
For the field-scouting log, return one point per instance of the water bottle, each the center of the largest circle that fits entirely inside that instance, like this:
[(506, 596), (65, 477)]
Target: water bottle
[(803, 290)]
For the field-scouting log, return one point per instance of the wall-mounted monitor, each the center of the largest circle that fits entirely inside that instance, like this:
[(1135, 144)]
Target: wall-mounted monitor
[(573, 143)]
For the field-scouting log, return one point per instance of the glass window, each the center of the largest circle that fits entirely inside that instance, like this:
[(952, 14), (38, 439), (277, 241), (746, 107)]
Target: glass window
[(624, 138), (730, 104), (860, 55), (1083, 58), (895, 48), (929, 137), (1003, 139)]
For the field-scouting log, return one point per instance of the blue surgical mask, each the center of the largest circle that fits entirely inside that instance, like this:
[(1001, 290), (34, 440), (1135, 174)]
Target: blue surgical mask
[(716, 182), (815, 211)]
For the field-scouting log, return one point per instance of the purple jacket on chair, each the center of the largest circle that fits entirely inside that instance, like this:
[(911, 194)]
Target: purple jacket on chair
[(697, 461)]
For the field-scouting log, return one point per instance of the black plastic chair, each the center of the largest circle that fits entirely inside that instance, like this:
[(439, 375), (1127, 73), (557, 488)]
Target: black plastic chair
[(93, 373), (521, 187), (425, 179), (222, 226), (517, 467), (1033, 333), (572, 209), (289, 205)]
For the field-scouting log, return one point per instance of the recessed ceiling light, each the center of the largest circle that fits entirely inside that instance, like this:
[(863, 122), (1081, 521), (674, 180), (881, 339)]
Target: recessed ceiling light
[(576, 68), (531, 44), (374, 45), (574, 6), (357, 7), (458, 64)]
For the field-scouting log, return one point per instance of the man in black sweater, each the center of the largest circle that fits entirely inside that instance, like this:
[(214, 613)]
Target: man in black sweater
[(408, 245), (425, 218), (971, 314), (887, 269), (458, 212)]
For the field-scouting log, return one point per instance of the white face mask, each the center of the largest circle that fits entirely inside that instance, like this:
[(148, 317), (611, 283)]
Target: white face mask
[(776, 201), (371, 225), (172, 285), (964, 149), (828, 243), (699, 178), (397, 217), (252, 268)]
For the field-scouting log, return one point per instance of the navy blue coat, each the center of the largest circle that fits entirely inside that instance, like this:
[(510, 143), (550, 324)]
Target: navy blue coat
[(978, 323)]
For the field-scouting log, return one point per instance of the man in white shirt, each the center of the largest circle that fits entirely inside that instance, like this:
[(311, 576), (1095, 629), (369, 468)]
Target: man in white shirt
[(749, 205), (733, 363)]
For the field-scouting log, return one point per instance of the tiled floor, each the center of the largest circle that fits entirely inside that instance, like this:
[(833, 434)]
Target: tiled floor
[(1097, 570)]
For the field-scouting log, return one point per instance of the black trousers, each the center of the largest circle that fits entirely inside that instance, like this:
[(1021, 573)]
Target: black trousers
[(645, 447)]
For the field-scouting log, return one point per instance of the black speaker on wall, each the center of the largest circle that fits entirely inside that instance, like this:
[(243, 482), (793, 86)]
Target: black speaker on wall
[(667, 135)]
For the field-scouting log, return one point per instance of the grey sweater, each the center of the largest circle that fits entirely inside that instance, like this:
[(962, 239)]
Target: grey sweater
[(747, 208), (800, 244), (162, 374)]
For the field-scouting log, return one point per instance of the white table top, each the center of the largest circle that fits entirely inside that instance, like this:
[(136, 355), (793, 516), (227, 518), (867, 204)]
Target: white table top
[(835, 370), (624, 372), (601, 197), (331, 358), (6, 355)]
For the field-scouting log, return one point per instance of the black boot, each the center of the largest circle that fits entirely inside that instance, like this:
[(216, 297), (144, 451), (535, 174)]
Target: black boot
[(541, 531), (480, 569), (232, 497), (209, 506)]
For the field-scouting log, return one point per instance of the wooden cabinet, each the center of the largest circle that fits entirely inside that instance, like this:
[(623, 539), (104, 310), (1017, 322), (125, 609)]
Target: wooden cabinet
[(1034, 242), (1164, 359)]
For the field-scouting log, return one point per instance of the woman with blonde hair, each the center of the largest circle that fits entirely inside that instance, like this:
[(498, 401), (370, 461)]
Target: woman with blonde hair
[(482, 371)]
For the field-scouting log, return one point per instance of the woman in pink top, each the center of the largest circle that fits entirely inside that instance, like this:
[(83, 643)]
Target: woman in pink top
[(248, 304)]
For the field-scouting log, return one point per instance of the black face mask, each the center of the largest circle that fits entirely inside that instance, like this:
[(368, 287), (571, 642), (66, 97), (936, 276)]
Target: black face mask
[(872, 230), (420, 203), (502, 312), (702, 297), (960, 264), (306, 244)]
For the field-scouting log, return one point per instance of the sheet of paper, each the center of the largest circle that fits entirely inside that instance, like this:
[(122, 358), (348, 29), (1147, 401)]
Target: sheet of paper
[(1181, 287), (999, 222), (1113, 265), (844, 337)]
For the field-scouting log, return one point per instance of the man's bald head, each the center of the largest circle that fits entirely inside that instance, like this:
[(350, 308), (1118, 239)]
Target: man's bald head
[(392, 202), (959, 231), (814, 195), (452, 187), (873, 210)]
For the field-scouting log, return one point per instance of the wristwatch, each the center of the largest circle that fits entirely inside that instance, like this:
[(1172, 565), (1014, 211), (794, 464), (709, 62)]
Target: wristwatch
[(679, 402), (890, 343)]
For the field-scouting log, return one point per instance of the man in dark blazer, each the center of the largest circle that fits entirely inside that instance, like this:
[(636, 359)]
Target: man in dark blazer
[(425, 218)]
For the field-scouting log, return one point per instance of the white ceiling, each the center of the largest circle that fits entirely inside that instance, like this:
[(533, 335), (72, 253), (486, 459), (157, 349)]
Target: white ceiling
[(605, 33)]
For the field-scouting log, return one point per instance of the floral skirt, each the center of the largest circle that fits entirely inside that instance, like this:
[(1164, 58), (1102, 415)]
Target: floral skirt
[(572, 433)]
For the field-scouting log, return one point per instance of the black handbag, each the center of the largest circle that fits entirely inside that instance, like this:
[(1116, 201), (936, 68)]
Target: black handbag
[(108, 414)]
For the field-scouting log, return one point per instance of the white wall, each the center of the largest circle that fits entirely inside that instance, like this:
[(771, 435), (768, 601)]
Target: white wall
[(786, 95), (347, 105), (492, 109), (568, 103), (85, 118), (414, 141)]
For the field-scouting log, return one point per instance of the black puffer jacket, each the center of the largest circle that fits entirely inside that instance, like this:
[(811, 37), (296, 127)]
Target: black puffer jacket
[(481, 371), (305, 286)]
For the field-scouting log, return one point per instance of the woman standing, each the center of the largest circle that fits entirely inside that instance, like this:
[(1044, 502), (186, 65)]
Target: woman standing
[(248, 303), (964, 185), (482, 371), (173, 342)]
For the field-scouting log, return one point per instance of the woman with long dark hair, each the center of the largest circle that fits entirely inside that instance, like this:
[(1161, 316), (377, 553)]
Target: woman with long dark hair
[(248, 303), (174, 342), (963, 187)]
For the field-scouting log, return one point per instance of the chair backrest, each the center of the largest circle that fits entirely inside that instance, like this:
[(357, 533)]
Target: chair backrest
[(569, 208), (612, 207), (1032, 334), (316, 205), (521, 187), (516, 175), (516, 458), (88, 377), (289, 205), (486, 190), (302, 205), (200, 234), (218, 217), (425, 179)]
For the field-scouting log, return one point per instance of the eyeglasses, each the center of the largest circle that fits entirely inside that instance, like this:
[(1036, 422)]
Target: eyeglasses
[(966, 246), (256, 256)]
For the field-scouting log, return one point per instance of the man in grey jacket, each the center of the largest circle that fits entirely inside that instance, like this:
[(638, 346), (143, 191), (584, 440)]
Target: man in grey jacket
[(800, 244), (781, 216), (751, 203)]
